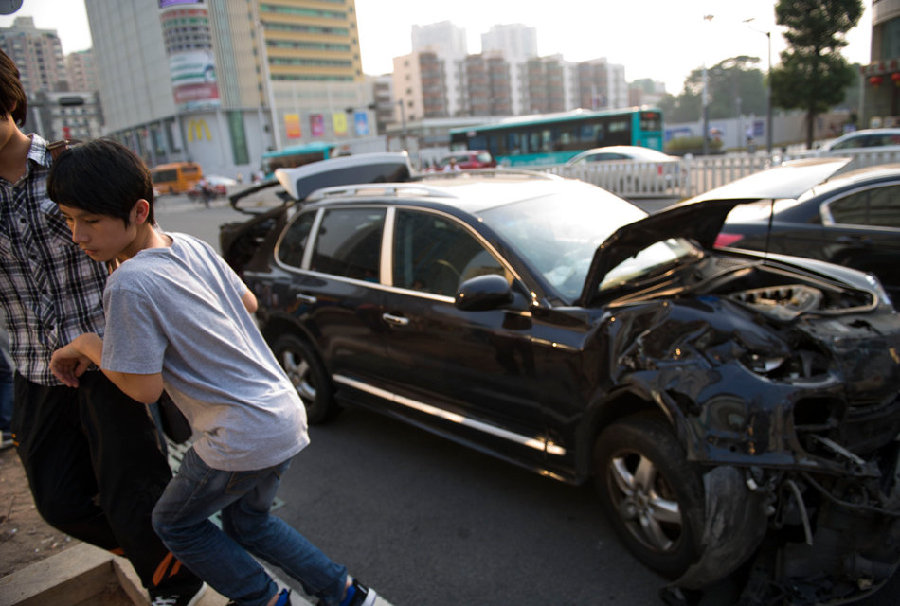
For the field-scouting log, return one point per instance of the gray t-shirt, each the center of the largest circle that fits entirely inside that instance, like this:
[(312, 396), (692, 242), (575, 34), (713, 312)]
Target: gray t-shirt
[(178, 311)]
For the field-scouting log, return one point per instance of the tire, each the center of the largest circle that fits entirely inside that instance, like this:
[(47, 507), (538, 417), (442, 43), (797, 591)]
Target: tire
[(306, 372), (651, 494)]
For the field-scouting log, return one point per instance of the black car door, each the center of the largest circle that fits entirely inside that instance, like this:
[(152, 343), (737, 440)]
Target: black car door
[(470, 373), (331, 286)]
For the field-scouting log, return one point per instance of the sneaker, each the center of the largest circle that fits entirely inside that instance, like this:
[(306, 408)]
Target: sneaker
[(284, 599), (189, 596), (6, 441), (359, 595)]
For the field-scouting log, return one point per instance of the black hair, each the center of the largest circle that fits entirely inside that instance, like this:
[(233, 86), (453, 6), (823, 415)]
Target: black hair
[(101, 177), (12, 96)]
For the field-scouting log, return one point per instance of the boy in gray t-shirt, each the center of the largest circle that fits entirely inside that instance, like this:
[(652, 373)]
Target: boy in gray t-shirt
[(177, 319)]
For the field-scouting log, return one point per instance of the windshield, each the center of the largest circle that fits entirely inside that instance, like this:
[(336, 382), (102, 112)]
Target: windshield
[(559, 234)]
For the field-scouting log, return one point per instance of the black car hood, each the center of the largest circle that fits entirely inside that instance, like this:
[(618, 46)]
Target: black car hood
[(700, 219)]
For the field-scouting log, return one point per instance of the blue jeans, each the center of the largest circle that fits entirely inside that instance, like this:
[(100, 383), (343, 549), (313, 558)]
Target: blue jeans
[(181, 518)]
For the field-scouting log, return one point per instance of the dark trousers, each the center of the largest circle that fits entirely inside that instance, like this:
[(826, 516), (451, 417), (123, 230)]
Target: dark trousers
[(95, 468)]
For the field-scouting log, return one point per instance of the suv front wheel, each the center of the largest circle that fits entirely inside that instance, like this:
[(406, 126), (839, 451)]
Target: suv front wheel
[(651, 494)]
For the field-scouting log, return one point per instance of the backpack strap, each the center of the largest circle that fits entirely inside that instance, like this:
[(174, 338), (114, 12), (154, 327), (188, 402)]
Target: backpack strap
[(58, 147)]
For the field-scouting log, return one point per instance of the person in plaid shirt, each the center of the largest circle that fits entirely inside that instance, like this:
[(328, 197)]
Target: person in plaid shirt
[(92, 457)]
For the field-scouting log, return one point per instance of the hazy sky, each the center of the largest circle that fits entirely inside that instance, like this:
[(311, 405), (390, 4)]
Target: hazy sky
[(658, 39)]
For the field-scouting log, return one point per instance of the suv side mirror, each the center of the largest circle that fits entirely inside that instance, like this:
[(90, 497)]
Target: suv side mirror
[(484, 293)]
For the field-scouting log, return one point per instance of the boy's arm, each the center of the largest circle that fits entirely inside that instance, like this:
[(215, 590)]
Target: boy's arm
[(250, 302), (69, 362)]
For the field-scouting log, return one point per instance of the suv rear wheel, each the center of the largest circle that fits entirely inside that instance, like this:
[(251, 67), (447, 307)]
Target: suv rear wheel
[(651, 494), (306, 372)]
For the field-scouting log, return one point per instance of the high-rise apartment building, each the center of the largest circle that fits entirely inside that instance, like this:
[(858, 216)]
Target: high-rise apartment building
[(515, 43), (81, 71), (37, 53)]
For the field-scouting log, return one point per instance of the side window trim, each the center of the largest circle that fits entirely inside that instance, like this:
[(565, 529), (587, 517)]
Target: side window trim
[(313, 236), (387, 249)]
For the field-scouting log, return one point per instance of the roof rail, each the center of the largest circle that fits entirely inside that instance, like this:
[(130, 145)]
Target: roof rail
[(394, 189), (488, 172)]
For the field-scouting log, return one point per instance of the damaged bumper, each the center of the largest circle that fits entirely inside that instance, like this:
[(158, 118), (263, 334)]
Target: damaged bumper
[(798, 537)]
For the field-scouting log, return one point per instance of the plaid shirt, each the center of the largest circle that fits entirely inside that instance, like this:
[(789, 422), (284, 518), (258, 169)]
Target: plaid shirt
[(50, 291)]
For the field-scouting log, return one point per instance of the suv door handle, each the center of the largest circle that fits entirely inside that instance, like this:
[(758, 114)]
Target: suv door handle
[(308, 299), (395, 320)]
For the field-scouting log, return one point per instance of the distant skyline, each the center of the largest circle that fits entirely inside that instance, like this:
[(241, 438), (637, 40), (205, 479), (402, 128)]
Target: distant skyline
[(656, 39)]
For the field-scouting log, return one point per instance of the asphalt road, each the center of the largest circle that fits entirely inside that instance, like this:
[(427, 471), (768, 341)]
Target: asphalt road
[(429, 523)]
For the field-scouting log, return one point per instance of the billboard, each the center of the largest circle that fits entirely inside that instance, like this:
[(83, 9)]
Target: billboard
[(194, 83)]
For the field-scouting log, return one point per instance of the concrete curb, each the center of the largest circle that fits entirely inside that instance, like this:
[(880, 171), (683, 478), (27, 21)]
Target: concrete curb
[(82, 573)]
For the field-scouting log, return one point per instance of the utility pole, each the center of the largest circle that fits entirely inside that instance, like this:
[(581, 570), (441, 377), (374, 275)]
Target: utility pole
[(768, 35)]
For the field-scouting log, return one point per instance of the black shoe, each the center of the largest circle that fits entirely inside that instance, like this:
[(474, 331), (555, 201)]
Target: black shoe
[(284, 599), (188, 594)]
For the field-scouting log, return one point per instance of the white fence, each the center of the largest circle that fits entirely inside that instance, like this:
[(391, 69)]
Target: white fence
[(690, 176)]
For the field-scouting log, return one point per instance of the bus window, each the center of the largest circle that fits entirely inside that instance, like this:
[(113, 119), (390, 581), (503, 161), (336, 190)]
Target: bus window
[(545, 140), (651, 121), (494, 143)]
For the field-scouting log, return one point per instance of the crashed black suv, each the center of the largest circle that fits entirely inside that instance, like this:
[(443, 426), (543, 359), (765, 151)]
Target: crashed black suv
[(738, 413)]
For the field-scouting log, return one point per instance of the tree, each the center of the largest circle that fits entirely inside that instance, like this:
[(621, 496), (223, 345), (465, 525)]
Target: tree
[(813, 75), (735, 88)]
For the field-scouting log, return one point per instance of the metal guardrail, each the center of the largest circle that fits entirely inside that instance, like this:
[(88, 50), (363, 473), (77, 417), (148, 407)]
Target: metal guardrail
[(689, 176)]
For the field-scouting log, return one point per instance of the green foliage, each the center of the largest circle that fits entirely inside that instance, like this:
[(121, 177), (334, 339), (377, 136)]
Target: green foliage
[(692, 144), (735, 87), (813, 75)]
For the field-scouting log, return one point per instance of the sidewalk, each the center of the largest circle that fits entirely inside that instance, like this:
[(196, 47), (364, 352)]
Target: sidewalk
[(84, 575)]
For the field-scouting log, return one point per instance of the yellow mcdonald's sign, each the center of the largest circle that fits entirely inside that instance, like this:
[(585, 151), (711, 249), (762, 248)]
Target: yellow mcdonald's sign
[(197, 128)]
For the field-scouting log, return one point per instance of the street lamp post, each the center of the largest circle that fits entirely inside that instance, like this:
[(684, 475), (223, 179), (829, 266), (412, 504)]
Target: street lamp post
[(768, 35), (402, 123), (705, 100)]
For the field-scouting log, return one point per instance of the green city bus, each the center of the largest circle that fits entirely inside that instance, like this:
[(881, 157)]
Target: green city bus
[(549, 139)]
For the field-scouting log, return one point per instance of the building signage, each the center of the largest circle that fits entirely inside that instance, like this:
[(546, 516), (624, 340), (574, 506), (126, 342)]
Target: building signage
[(292, 126), (361, 123), (339, 123), (198, 129), (317, 125)]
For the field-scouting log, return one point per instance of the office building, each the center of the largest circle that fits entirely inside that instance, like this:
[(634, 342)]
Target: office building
[(881, 77), (37, 53)]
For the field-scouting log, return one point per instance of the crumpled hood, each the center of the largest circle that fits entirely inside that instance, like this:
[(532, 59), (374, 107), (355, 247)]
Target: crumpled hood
[(701, 218)]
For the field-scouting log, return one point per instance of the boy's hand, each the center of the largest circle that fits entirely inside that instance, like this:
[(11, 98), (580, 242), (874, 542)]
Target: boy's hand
[(69, 362)]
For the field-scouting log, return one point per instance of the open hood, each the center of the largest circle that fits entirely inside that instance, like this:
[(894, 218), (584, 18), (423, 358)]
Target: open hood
[(701, 218)]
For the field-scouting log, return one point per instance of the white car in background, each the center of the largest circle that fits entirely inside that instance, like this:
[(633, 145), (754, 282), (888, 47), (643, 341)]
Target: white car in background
[(872, 137), (652, 169)]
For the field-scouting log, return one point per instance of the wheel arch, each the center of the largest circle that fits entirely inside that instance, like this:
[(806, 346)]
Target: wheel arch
[(616, 405)]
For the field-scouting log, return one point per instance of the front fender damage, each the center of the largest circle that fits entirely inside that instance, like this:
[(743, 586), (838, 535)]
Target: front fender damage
[(735, 525)]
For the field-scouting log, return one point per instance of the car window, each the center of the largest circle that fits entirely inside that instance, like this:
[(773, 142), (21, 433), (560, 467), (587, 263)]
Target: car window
[(433, 253), (849, 143), (348, 243), (293, 242), (879, 206)]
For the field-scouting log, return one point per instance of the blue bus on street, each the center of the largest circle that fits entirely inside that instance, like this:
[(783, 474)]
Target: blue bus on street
[(549, 139)]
